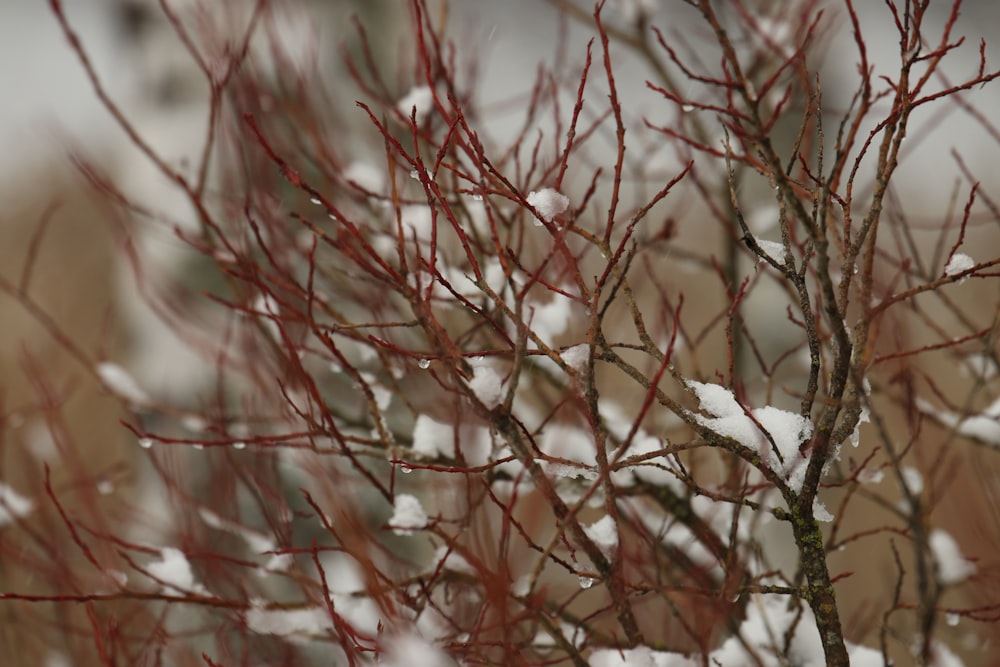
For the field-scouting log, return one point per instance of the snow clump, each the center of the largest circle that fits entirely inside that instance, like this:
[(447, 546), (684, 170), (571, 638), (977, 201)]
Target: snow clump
[(959, 263), (548, 203), (486, 384), (408, 515), (604, 533), (788, 430)]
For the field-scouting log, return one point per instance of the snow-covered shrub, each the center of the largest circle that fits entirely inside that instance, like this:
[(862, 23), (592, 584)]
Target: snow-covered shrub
[(587, 391)]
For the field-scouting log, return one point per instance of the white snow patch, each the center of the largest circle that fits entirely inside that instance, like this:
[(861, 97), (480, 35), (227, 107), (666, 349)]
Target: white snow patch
[(720, 517), (788, 429), (521, 586), (434, 625), (56, 660), (942, 656), (569, 442), (419, 101), (256, 542), (672, 533), (574, 633), (716, 399), (577, 357), (432, 438), (773, 248), (570, 471), (366, 176), (980, 365), (864, 418), (267, 308), (980, 427), (952, 566), (41, 442), (984, 426), (641, 656), (412, 650), (959, 263), (486, 383), (174, 571), (616, 419), (654, 471), (604, 533), (194, 423), (550, 318), (449, 559), (778, 31), (768, 619), (913, 480), (464, 282), (346, 578), (381, 393), (287, 622), (12, 504), (862, 656), (417, 222), (548, 203), (408, 515), (479, 218), (820, 513), (119, 382), (494, 275), (871, 476), (460, 281)]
